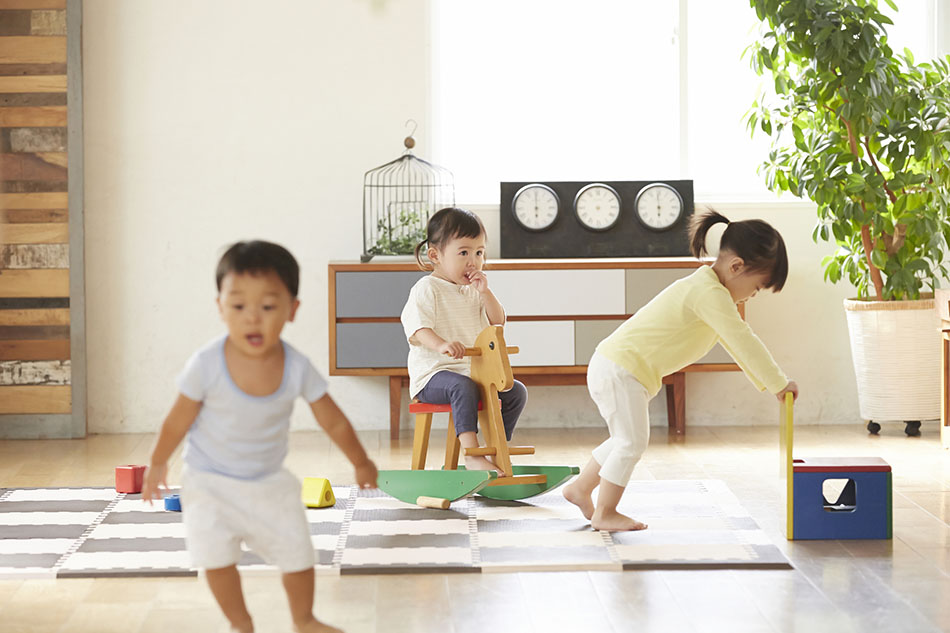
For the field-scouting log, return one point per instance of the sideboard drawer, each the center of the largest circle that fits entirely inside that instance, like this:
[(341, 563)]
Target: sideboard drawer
[(541, 343), (364, 345), (374, 294), (559, 292), (643, 285)]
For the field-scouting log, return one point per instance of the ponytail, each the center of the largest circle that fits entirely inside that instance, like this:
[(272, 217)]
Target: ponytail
[(699, 226), (418, 252), (757, 243)]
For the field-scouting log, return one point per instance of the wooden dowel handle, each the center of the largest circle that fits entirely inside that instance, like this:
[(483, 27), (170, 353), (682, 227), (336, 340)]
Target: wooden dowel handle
[(433, 502), (474, 351)]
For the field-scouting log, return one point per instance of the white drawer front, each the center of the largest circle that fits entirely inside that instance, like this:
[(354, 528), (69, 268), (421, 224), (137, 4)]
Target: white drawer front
[(541, 342), (559, 292)]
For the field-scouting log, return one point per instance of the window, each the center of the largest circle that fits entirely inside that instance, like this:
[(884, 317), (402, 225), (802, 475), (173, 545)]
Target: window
[(560, 90), (538, 89)]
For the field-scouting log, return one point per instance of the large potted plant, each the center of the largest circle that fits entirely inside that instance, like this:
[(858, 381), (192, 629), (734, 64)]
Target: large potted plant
[(863, 132)]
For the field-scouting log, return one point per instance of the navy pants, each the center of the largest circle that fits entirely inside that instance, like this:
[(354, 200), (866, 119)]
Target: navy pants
[(448, 387)]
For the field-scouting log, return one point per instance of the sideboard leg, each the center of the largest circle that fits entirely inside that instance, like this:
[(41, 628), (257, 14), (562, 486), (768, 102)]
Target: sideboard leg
[(395, 405), (676, 403)]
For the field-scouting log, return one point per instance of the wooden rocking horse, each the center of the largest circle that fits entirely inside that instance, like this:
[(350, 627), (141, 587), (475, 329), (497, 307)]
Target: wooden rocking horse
[(491, 370)]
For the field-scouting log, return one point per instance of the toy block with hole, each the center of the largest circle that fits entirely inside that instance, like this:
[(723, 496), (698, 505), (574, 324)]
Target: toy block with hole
[(316, 492), (129, 478), (842, 498), (833, 497)]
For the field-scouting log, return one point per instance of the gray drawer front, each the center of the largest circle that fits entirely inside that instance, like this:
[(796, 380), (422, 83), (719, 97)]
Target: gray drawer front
[(588, 335), (643, 285), (361, 345), (381, 294)]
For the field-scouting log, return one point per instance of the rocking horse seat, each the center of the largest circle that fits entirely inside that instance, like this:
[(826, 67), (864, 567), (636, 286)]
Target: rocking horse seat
[(425, 407)]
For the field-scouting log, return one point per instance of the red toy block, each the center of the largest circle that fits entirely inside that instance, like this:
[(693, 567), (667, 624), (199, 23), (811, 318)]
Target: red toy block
[(129, 478)]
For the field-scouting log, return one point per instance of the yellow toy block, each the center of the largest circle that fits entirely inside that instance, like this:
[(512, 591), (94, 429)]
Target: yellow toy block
[(317, 492)]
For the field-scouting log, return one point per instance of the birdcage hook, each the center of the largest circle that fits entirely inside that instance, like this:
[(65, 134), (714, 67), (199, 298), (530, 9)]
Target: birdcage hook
[(410, 142)]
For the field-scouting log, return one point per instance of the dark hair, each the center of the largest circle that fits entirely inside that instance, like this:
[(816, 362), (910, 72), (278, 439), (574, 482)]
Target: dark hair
[(446, 225), (258, 256), (759, 245)]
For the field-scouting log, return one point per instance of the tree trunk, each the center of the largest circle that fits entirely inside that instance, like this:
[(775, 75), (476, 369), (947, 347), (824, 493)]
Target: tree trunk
[(875, 272), (865, 229)]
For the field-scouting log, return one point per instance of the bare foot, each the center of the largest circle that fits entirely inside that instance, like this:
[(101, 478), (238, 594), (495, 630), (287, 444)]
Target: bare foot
[(316, 626), (479, 462), (615, 522), (579, 498)]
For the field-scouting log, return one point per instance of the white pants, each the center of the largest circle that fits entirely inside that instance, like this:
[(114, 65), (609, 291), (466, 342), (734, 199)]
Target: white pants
[(267, 514), (624, 404)]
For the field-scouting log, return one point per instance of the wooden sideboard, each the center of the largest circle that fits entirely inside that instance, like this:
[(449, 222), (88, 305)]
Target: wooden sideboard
[(558, 311)]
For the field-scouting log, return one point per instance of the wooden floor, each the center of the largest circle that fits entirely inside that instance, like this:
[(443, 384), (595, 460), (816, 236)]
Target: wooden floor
[(839, 586)]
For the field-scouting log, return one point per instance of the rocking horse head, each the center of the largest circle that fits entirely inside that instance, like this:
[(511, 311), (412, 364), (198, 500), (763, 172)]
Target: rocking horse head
[(491, 366)]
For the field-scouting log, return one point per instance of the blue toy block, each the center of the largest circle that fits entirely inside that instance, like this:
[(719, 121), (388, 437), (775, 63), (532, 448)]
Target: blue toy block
[(172, 503), (863, 510)]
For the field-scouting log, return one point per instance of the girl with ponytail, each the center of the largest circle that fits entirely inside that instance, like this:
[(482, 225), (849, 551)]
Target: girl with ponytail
[(677, 328)]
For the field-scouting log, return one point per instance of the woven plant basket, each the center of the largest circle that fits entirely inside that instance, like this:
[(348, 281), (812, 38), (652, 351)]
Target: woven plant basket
[(895, 347)]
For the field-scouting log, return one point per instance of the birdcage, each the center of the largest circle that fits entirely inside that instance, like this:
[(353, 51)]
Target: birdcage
[(398, 199)]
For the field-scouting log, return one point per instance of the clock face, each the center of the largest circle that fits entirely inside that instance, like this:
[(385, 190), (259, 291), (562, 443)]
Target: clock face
[(535, 207), (658, 206), (597, 206)]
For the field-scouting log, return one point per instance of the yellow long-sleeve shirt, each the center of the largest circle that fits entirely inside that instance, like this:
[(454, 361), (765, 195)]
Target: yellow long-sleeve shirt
[(680, 325)]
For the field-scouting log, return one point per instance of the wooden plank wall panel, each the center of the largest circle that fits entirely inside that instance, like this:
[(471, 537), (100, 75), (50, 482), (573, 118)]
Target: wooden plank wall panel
[(35, 399), (35, 372)]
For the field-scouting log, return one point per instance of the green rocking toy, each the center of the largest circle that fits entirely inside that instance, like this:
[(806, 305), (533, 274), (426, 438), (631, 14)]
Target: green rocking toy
[(438, 488)]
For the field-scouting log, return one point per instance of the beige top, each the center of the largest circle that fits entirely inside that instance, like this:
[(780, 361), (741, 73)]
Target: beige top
[(454, 312), (680, 325)]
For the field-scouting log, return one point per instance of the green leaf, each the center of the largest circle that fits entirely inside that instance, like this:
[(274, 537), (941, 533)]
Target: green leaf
[(879, 259), (780, 86), (855, 183)]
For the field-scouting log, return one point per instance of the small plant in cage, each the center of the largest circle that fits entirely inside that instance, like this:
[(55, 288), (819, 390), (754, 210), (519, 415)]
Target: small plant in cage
[(398, 198), (403, 226)]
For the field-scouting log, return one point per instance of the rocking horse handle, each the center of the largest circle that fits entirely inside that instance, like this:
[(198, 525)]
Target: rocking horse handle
[(474, 351)]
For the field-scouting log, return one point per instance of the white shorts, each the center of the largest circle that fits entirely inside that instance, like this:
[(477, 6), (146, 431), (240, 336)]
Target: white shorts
[(625, 405), (267, 514)]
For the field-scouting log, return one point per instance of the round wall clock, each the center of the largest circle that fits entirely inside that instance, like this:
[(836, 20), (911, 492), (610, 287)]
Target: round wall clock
[(658, 206), (597, 206), (535, 207)]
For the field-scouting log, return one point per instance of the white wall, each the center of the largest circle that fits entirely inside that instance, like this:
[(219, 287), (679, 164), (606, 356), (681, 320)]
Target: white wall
[(220, 120)]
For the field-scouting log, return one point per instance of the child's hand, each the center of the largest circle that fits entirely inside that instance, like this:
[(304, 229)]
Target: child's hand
[(791, 387), (479, 281), (453, 349), (366, 475), (154, 480)]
